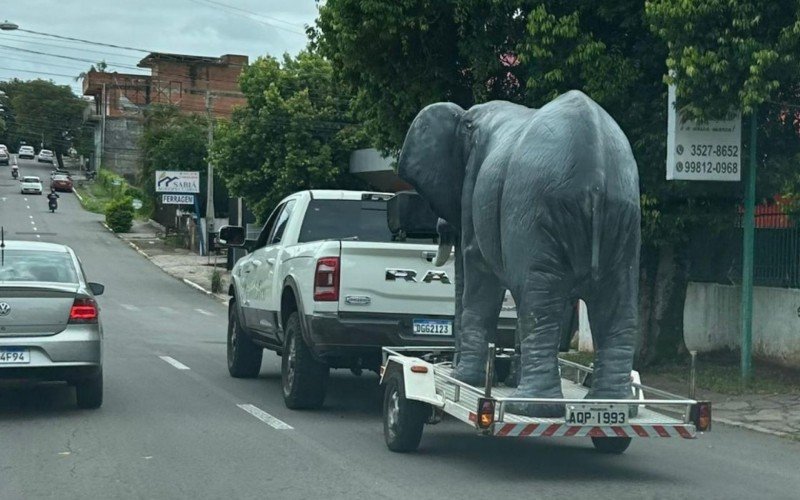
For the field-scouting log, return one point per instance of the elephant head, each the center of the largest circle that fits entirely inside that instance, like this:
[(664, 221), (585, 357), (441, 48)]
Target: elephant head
[(432, 159)]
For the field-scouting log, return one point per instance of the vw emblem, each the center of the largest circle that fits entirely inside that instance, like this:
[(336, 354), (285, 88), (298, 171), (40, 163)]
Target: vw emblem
[(4, 308)]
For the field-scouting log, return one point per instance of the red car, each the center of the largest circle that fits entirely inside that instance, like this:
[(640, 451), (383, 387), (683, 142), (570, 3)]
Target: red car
[(61, 183)]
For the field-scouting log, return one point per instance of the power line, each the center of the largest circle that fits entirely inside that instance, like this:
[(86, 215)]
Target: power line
[(246, 14), (85, 41), (27, 40)]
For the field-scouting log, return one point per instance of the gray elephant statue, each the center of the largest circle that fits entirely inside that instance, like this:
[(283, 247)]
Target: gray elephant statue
[(544, 203)]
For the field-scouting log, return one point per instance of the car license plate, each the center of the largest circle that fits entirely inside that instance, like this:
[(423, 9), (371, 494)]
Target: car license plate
[(433, 327), (14, 355), (592, 414)]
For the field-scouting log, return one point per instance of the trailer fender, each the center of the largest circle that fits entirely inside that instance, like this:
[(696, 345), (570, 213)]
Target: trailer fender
[(636, 379), (418, 379)]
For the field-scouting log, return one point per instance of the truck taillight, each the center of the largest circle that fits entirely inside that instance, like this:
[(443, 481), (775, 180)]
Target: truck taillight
[(326, 280), (83, 311)]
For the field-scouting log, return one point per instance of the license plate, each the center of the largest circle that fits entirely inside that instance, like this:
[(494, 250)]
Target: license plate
[(596, 414), (14, 356), (433, 327)]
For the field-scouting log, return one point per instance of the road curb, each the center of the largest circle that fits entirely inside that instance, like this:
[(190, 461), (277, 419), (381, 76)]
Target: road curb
[(196, 286), (77, 194), (752, 427)]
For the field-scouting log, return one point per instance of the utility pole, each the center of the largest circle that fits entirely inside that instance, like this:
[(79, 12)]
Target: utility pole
[(210, 183), (102, 128)]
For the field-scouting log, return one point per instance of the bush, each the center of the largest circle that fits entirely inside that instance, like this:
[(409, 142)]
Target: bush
[(119, 215), (216, 281)]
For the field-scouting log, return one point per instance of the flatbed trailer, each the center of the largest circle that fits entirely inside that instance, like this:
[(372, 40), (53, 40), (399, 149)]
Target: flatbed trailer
[(419, 389)]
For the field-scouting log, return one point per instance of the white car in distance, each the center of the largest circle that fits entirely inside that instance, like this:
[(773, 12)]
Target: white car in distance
[(31, 184), (45, 156)]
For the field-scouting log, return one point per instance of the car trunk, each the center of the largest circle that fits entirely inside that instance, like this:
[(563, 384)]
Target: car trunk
[(394, 278), (35, 310)]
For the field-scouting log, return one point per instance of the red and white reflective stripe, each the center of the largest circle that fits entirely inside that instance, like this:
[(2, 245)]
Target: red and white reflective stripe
[(564, 430)]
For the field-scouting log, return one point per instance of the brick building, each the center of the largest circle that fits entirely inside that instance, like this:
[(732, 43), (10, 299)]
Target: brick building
[(177, 79)]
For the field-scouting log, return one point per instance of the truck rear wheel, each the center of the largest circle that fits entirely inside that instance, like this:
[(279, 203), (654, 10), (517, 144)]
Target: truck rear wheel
[(244, 357), (611, 445), (304, 379), (403, 419)]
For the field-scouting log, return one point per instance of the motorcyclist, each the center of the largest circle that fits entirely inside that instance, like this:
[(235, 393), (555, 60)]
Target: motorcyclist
[(14, 171), (52, 199)]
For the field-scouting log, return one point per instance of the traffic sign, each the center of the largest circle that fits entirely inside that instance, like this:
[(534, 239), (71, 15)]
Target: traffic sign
[(177, 199), (710, 151)]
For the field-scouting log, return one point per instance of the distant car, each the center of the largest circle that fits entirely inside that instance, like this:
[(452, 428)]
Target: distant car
[(60, 171), (31, 184), (26, 152), (45, 156), (4, 156), (50, 327), (61, 182)]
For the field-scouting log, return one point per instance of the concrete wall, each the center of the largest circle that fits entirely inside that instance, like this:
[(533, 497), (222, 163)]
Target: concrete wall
[(711, 321), (122, 153)]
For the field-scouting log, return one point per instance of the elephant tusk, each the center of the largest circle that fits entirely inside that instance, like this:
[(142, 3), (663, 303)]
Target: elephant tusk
[(442, 254)]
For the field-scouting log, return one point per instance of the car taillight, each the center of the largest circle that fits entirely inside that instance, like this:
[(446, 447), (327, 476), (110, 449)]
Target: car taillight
[(83, 311), (326, 280)]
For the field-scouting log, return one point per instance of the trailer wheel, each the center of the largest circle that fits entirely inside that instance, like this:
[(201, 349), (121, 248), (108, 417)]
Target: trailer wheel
[(403, 419), (611, 445)]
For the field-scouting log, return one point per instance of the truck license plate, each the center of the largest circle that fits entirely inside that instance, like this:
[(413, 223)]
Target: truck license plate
[(592, 414), (14, 355), (433, 327)]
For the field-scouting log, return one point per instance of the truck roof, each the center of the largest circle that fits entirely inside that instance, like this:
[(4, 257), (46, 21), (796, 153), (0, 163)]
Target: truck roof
[(339, 194)]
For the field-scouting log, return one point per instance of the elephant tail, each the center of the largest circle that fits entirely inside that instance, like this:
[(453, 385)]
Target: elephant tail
[(597, 224)]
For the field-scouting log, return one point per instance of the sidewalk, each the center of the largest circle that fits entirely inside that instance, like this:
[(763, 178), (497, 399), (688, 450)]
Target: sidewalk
[(192, 269), (776, 414)]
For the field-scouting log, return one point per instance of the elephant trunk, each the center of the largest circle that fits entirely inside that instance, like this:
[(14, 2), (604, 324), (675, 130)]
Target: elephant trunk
[(442, 253)]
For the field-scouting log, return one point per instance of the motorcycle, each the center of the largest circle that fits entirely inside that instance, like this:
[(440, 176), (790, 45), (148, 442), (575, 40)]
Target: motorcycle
[(14, 172), (52, 202)]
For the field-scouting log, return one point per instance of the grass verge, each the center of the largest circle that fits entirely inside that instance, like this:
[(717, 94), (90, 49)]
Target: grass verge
[(717, 372)]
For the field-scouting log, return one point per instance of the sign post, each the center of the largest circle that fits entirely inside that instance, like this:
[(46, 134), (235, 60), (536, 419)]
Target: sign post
[(179, 188), (712, 152)]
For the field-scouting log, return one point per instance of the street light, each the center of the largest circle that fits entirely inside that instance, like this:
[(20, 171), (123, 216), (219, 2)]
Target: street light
[(7, 26)]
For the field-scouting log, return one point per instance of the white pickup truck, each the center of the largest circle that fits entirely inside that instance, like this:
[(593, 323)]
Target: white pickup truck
[(326, 285)]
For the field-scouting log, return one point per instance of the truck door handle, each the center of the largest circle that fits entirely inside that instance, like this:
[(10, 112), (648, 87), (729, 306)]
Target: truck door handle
[(271, 262)]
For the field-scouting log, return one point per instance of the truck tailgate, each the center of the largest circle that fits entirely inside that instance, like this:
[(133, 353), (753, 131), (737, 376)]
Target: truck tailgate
[(395, 278)]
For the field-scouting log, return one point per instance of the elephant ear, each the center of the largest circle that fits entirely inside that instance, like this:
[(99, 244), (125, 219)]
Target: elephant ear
[(432, 159)]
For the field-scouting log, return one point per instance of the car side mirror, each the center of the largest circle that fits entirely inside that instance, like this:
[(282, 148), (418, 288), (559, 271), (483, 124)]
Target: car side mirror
[(233, 236), (97, 288)]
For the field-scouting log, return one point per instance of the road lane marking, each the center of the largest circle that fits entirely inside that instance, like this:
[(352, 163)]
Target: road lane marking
[(33, 222), (204, 312), (26, 199), (28, 206), (177, 364), (38, 236), (130, 307), (34, 228), (265, 417), (30, 216)]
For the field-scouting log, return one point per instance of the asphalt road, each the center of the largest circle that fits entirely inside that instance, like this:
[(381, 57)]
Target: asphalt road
[(171, 425)]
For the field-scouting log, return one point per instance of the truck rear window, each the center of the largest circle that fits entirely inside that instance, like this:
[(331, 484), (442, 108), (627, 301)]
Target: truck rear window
[(361, 220)]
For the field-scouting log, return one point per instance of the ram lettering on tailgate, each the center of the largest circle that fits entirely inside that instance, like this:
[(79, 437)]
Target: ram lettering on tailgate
[(411, 275)]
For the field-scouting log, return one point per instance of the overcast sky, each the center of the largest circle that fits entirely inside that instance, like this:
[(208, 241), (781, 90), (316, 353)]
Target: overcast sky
[(196, 27)]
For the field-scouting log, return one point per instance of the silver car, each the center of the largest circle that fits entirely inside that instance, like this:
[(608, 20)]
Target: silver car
[(49, 320)]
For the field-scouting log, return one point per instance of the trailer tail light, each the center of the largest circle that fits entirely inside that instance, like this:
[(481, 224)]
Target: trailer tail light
[(419, 369), (700, 415), (485, 413), (326, 280), (83, 311)]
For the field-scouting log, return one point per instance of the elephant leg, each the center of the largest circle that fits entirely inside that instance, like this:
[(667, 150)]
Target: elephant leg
[(613, 316), (480, 308), (541, 318)]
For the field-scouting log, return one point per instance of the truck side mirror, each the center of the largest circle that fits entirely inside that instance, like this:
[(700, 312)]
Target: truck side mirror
[(233, 236)]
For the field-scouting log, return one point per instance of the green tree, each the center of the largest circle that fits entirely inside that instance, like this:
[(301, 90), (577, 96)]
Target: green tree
[(172, 140), (296, 132), (43, 112), (400, 56)]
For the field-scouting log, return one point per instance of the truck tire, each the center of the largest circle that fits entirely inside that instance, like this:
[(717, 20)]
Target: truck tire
[(611, 445), (244, 357), (89, 392), (303, 378), (403, 419)]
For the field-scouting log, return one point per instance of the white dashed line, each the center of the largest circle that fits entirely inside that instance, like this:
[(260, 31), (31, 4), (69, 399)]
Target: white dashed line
[(30, 216), (28, 206), (204, 312), (26, 199), (38, 236), (265, 417), (33, 222), (34, 228), (130, 307), (177, 364)]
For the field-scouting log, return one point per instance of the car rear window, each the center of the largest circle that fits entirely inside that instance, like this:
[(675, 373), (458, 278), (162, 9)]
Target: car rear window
[(37, 265), (30, 179), (362, 220), (60, 177)]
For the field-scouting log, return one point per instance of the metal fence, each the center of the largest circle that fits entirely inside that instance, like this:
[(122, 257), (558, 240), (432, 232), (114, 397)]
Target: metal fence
[(716, 257)]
